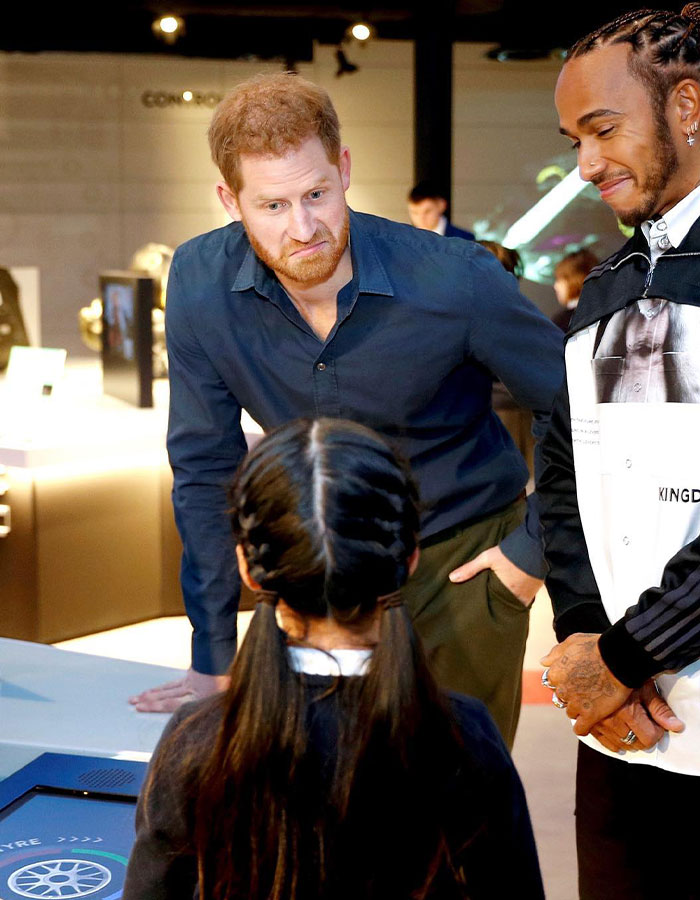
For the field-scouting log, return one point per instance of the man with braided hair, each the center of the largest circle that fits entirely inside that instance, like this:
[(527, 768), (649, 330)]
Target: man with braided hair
[(620, 493), (304, 308)]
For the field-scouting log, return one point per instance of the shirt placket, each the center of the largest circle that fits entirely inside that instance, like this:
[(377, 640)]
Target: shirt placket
[(324, 375), (326, 396)]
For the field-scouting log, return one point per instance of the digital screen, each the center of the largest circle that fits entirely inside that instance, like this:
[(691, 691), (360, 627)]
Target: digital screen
[(59, 845), (127, 336), (119, 319)]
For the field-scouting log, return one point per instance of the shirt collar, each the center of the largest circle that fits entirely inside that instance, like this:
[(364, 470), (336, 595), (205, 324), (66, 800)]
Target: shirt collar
[(441, 226), (372, 279), (334, 662), (674, 224)]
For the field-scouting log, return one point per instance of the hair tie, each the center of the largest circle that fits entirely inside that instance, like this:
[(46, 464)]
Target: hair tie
[(387, 601), (268, 597)]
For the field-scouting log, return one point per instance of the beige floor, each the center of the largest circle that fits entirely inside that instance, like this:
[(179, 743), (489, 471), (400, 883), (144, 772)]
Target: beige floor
[(544, 749)]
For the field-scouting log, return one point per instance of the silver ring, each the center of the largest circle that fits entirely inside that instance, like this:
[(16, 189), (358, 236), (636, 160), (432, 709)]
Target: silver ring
[(560, 704), (545, 679), (629, 738)]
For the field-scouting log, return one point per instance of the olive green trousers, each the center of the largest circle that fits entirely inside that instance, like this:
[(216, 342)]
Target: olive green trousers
[(473, 633)]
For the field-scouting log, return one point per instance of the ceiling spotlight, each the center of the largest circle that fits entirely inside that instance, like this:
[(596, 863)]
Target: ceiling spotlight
[(187, 96), (345, 67), (169, 28), (361, 31), (169, 24)]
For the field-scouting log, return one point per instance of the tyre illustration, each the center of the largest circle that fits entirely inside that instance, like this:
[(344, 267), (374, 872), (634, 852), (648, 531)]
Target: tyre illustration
[(59, 878)]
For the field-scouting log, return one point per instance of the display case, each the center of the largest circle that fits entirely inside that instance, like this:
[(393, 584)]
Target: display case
[(87, 536)]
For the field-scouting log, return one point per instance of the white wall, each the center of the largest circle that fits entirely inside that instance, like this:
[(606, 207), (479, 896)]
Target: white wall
[(88, 173), (505, 131)]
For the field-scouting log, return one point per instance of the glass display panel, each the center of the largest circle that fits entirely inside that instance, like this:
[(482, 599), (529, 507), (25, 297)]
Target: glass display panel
[(57, 844)]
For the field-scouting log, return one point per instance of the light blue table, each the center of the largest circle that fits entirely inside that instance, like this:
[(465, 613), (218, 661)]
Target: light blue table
[(65, 702)]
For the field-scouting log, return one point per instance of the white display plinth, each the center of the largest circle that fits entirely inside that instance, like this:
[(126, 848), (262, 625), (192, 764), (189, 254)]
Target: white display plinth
[(87, 536), (80, 425)]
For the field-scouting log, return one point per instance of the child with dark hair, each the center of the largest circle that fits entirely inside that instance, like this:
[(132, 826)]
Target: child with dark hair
[(332, 767)]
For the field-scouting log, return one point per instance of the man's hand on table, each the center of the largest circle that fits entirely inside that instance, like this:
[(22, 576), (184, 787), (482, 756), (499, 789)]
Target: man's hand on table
[(167, 697), (521, 584)]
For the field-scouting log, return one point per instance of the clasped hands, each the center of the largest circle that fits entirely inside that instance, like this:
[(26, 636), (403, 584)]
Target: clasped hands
[(601, 705)]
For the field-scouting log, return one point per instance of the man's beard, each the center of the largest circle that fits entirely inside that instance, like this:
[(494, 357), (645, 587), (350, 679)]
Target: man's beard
[(310, 270), (665, 165)]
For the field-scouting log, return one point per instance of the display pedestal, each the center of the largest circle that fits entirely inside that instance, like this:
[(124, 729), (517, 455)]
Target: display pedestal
[(92, 542)]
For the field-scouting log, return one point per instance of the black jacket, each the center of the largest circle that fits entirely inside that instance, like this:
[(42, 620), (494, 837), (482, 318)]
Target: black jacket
[(670, 638), (501, 860)]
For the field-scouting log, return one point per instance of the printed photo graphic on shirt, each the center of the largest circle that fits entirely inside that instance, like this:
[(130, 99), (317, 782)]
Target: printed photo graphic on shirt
[(649, 352)]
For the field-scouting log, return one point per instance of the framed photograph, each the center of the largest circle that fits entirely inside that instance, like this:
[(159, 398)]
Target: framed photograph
[(127, 336)]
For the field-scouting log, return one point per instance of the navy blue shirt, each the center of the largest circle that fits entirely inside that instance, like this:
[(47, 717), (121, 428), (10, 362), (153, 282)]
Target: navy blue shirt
[(422, 329)]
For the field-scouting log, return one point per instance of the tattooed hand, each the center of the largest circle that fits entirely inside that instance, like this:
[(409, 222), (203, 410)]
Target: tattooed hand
[(646, 713), (582, 679)]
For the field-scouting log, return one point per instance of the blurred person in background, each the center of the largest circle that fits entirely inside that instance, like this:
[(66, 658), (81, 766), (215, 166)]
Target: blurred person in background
[(508, 258), (427, 209), (569, 274)]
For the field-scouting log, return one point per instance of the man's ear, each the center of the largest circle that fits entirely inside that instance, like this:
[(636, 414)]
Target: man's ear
[(442, 205), (244, 570), (229, 201), (686, 100), (344, 167)]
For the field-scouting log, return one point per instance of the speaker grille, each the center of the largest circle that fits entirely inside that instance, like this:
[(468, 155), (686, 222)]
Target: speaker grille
[(106, 778)]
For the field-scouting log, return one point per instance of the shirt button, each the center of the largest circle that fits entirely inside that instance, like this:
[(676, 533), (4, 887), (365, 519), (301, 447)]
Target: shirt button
[(625, 540), (628, 463), (664, 242), (320, 367), (661, 225), (637, 386)]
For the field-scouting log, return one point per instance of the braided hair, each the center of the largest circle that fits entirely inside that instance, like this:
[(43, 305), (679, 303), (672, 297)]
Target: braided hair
[(665, 47), (327, 518), (328, 537)]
